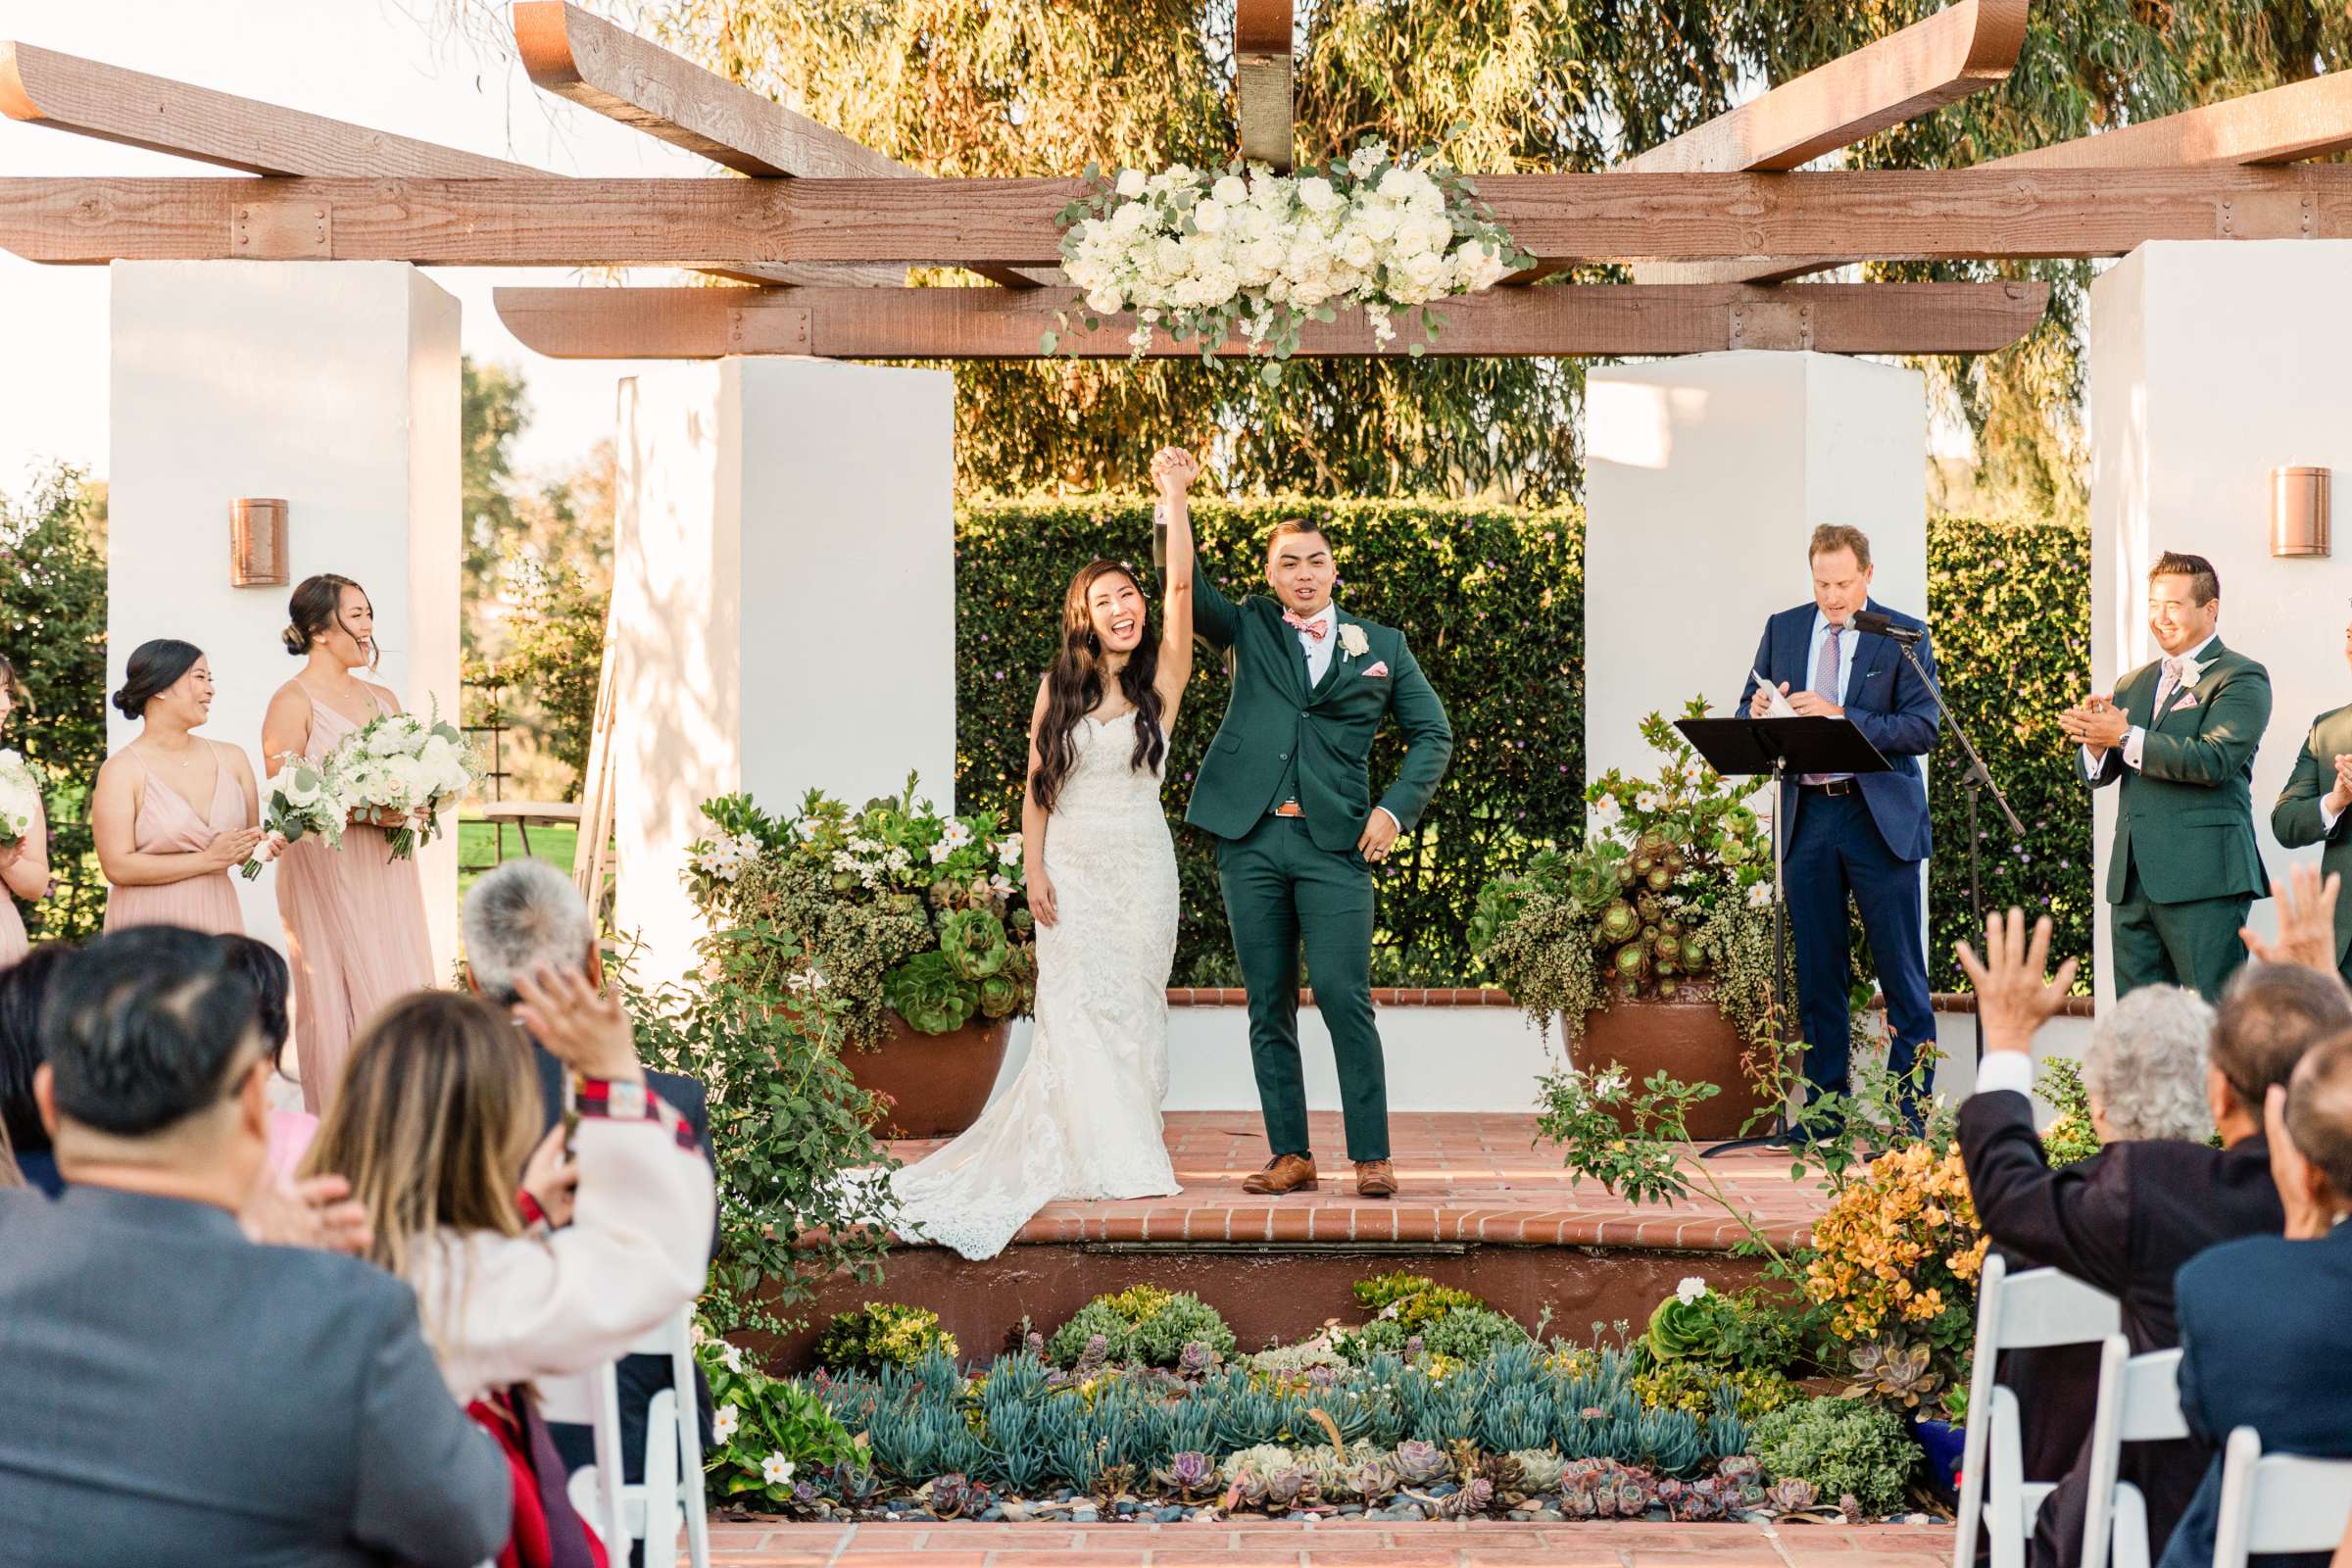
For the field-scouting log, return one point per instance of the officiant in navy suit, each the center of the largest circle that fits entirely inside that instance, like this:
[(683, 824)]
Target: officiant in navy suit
[(1864, 835)]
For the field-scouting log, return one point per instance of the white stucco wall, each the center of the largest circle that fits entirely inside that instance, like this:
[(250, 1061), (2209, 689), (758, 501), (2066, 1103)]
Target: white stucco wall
[(2212, 363), (334, 385), (784, 604)]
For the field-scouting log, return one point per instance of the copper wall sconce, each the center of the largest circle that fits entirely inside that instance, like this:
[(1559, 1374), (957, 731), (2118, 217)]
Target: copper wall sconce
[(257, 542), (2299, 505)]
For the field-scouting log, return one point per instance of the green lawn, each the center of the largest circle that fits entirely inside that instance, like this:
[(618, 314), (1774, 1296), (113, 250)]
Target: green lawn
[(478, 850)]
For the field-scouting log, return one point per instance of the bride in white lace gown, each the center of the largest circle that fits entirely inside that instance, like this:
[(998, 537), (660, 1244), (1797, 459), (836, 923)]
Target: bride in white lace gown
[(1082, 1118)]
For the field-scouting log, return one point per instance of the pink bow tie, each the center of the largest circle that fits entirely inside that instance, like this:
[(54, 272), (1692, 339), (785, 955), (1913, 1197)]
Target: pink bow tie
[(1317, 629)]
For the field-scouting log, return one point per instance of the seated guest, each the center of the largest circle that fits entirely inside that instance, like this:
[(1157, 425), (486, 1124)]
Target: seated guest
[(438, 1110), (2126, 1219), (175, 1394), (290, 1129), (2261, 1319), (2145, 1072), (23, 984), (521, 916)]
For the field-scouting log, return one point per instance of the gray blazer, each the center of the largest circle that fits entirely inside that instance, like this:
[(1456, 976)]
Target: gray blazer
[(175, 1394)]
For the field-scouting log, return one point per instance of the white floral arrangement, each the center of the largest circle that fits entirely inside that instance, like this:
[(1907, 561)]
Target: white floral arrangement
[(415, 767), (303, 798), (1205, 256), (20, 797)]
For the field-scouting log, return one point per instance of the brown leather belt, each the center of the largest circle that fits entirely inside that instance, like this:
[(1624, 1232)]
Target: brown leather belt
[(1835, 786), (1290, 809)]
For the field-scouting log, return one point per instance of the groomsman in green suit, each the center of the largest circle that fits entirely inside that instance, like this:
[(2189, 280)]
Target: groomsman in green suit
[(1285, 790), (2177, 738), (2312, 808)]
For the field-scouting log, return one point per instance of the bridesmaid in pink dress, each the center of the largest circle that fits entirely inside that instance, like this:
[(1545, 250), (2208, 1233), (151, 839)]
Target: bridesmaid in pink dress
[(354, 916), (24, 864), (166, 859)]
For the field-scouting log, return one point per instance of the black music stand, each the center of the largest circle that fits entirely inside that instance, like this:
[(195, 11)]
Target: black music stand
[(1743, 747)]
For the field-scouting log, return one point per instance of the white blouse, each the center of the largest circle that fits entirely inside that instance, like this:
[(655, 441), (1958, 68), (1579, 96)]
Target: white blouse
[(506, 1309)]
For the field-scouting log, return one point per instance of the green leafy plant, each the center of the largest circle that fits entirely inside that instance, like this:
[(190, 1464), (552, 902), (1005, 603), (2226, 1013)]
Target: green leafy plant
[(849, 917), (785, 1122), (2070, 1138), (1696, 1386), (768, 1431), (1671, 894), (1841, 1446), (880, 1334), (1142, 1324)]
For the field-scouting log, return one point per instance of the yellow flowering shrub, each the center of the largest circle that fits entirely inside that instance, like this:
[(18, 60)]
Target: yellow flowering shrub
[(1899, 1254)]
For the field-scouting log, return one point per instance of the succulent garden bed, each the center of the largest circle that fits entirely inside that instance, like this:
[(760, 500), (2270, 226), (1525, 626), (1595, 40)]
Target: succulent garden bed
[(1435, 1408)]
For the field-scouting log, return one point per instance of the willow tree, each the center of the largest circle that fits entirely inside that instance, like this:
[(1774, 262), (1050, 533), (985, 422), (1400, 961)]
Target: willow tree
[(983, 87)]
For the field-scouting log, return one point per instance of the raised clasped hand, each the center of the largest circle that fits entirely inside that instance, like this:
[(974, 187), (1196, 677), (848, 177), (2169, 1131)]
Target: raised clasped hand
[(1173, 470)]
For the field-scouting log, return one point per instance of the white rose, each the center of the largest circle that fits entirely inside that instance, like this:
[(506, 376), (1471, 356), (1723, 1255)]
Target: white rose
[(1397, 185), (1130, 219), (296, 786), (1105, 301), (1316, 195), (1208, 216), (1230, 191), (1378, 222), (1356, 248), (1425, 269), (1131, 183)]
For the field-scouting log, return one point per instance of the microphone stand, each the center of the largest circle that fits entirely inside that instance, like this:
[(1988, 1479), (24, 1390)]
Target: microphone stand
[(1977, 780)]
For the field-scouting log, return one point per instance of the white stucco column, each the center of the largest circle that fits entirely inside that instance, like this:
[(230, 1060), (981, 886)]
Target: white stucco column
[(1704, 478), (2212, 363), (784, 605), (335, 387)]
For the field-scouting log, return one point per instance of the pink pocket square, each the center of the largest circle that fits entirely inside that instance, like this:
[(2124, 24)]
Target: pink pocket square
[(2185, 700), (1376, 672)]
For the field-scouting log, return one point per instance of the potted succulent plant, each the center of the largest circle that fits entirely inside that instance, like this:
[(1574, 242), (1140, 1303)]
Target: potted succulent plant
[(1651, 946), (900, 931)]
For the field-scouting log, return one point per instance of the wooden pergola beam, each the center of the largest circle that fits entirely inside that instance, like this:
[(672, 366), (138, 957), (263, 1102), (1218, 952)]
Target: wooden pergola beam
[(585, 60), (2303, 119), (92, 98), (972, 323), (2310, 119), (1262, 80), (1969, 214), (1962, 49)]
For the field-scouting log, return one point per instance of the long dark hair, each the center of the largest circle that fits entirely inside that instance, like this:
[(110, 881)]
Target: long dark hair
[(1074, 685), (155, 667), (315, 606)]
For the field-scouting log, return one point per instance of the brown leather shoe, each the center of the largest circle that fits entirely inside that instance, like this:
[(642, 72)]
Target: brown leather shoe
[(1284, 1174), (1375, 1178)]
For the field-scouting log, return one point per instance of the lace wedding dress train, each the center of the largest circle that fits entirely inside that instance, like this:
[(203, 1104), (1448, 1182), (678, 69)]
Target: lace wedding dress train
[(1082, 1119)]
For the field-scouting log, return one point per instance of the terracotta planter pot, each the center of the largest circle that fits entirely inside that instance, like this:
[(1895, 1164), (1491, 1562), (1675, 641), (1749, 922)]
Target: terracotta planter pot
[(1690, 1039), (934, 1085)]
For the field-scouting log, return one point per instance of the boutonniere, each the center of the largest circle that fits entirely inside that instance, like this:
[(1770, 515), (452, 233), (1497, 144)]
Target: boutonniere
[(2189, 674), (1353, 640)]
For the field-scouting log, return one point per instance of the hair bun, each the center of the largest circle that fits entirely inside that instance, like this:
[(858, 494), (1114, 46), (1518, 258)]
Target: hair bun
[(123, 704), (296, 643)]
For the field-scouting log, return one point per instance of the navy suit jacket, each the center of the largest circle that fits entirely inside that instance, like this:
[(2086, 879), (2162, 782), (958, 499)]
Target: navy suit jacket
[(2262, 1346), (1888, 703)]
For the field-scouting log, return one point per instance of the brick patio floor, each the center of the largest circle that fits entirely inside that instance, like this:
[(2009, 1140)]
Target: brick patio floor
[(1464, 1177), (1362, 1544)]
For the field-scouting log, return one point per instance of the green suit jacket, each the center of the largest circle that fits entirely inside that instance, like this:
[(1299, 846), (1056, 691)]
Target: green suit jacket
[(1272, 714), (2190, 806), (2295, 819)]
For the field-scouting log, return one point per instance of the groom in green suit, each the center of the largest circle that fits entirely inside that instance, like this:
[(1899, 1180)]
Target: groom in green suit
[(2314, 807), (1285, 789), (2177, 738)]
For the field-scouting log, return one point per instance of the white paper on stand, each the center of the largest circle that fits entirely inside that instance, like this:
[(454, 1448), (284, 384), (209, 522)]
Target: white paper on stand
[(1777, 704)]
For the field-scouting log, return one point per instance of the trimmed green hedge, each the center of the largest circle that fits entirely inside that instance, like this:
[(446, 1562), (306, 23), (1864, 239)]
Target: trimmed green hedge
[(1493, 600), (2010, 604)]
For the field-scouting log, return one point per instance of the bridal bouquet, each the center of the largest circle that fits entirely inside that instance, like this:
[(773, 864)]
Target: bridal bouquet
[(1203, 256), (415, 767), (20, 797), (301, 798)]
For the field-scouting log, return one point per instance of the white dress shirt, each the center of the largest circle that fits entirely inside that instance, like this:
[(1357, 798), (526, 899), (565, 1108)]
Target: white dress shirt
[(1320, 650), (2005, 1069), (2136, 739)]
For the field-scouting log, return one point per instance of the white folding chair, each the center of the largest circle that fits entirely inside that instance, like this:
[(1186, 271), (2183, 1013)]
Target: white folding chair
[(671, 1493), (2277, 1503), (2030, 1310), (2138, 1401), (592, 1399)]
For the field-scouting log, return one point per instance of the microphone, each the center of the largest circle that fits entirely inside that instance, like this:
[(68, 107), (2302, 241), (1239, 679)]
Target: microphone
[(1872, 620)]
